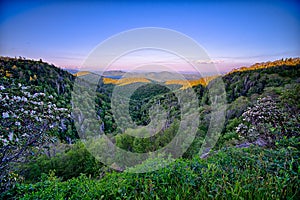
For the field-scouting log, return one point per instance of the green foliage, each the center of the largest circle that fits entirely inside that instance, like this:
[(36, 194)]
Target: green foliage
[(232, 124), (252, 173), (128, 142), (237, 107), (246, 83), (290, 98), (71, 163), (148, 95)]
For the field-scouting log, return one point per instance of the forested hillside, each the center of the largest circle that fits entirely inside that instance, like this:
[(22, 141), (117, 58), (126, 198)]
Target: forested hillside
[(42, 156), (41, 77)]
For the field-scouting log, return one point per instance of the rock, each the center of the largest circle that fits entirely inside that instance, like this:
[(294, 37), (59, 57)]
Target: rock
[(260, 142), (243, 145), (205, 153)]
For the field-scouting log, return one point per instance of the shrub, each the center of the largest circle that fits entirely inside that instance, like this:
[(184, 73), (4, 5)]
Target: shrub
[(252, 173), (264, 120), (71, 163)]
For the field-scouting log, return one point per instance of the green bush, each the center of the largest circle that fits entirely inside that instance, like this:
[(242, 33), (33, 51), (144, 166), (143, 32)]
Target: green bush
[(252, 173), (66, 165)]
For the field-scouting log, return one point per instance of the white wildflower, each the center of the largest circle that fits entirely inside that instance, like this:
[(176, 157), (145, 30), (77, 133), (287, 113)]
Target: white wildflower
[(38, 119), (5, 115), (5, 142), (10, 136), (24, 99), (25, 135), (28, 94)]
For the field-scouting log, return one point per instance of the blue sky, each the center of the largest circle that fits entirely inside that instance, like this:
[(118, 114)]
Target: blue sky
[(232, 33)]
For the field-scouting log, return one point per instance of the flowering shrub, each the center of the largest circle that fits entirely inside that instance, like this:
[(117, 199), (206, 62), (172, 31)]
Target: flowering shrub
[(26, 119), (265, 120)]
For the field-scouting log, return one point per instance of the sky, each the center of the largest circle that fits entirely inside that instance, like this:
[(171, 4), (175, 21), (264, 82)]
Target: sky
[(232, 33)]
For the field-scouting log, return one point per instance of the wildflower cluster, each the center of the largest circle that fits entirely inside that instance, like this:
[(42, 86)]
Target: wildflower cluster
[(265, 120), (26, 119)]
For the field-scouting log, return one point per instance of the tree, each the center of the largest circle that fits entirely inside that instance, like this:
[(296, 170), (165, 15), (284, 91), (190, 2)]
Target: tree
[(26, 120)]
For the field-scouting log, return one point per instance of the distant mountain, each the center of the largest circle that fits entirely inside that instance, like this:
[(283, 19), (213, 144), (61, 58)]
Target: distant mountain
[(191, 80), (156, 76), (113, 73), (37, 71)]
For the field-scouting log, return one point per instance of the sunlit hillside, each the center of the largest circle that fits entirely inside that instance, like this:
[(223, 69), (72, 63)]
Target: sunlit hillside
[(190, 83), (81, 73), (125, 81), (185, 83), (263, 65)]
